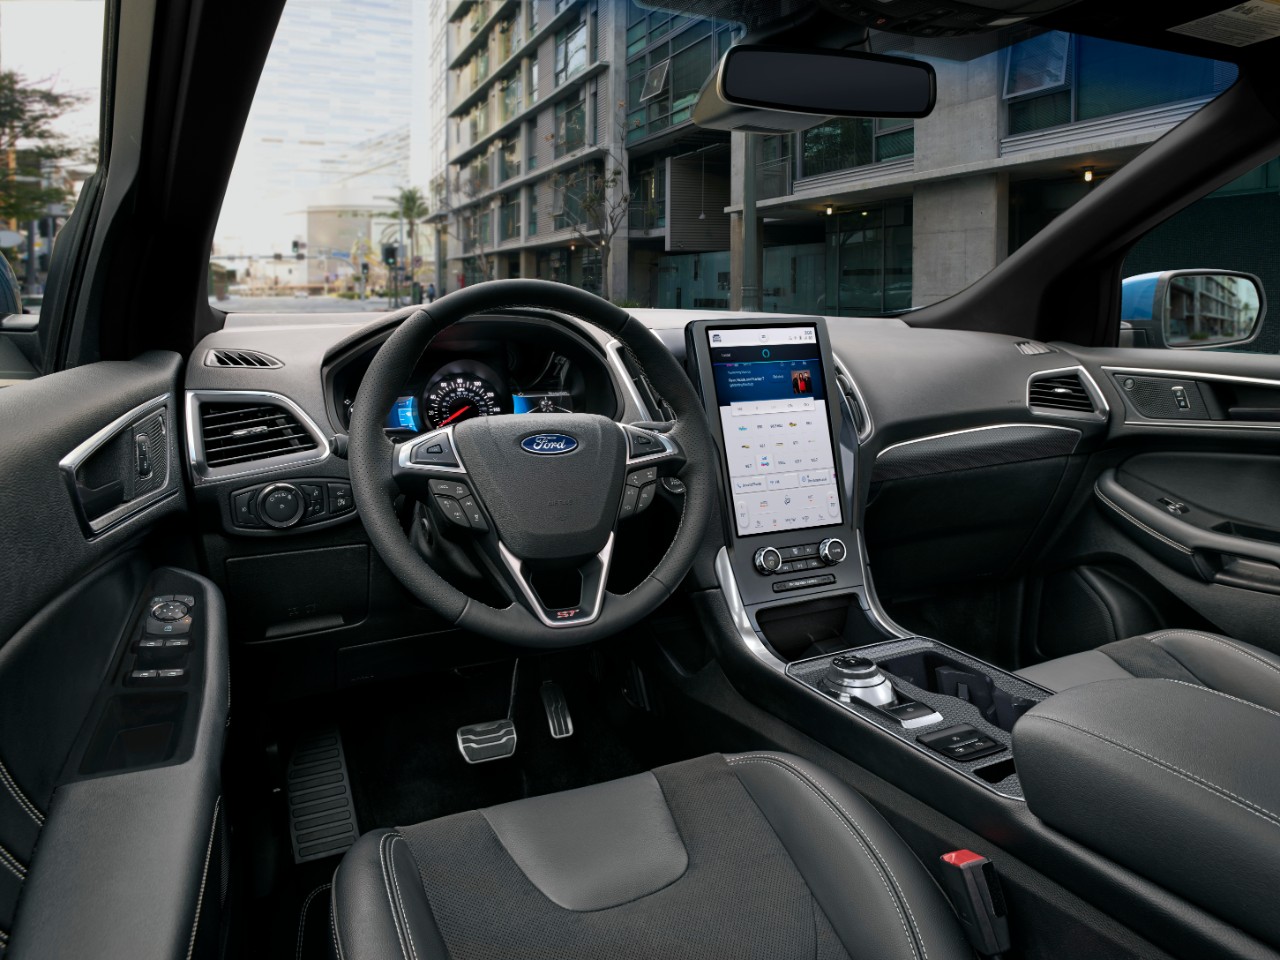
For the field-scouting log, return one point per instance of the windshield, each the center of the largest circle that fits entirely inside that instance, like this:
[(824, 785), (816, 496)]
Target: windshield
[(466, 141)]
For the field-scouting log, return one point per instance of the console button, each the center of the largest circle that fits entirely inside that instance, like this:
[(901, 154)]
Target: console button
[(340, 498), (173, 673), (244, 509), (804, 583), (315, 508), (173, 628), (311, 491), (161, 598), (186, 598), (449, 488), (832, 551), (148, 643), (768, 560), (143, 675), (169, 610), (960, 742), (175, 642)]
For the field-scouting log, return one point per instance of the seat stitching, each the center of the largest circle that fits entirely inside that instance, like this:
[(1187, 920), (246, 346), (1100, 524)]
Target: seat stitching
[(1221, 641), (395, 880), (16, 792), (867, 837), (1225, 696), (14, 865), (302, 920), (1138, 523), (204, 878), (1262, 813), (807, 783), (386, 883), (333, 919)]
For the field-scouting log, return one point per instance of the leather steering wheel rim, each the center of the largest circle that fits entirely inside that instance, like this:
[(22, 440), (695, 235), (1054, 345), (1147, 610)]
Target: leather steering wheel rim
[(371, 453)]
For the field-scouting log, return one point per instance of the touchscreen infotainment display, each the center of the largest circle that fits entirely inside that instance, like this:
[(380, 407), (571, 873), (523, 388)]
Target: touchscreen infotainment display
[(773, 412)]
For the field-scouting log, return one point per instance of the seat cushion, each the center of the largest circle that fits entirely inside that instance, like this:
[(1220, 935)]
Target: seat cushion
[(757, 855), (1193, 656)]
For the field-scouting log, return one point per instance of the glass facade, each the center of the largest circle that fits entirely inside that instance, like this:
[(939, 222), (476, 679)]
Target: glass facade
[(571, 52), (853, 142), (1058, 78), (571, 125)]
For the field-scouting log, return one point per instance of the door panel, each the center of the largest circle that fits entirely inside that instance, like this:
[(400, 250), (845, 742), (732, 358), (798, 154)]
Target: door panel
[(111, 721)]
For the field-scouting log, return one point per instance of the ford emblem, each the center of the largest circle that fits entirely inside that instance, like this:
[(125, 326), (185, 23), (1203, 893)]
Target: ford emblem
[(548, 444)]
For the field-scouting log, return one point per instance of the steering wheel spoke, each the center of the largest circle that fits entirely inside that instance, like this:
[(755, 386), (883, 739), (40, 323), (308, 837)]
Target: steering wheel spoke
[(429, 468), (592, 575)]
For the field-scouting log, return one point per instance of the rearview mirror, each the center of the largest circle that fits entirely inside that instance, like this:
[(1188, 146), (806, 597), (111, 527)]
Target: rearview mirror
[(1190, 309), (771, 89)]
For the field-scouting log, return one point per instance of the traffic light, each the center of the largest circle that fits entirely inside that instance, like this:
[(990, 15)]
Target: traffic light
[(295, 247), (389, 254), (364, 268)]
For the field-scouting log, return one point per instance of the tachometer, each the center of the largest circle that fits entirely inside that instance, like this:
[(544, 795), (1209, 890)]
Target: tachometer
[(460, 397)]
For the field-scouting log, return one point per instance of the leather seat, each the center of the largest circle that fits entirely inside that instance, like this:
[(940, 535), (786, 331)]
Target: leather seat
[(1205, 659), (755, 855)]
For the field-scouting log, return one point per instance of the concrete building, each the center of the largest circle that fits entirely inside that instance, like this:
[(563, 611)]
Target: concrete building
[(862, 217)]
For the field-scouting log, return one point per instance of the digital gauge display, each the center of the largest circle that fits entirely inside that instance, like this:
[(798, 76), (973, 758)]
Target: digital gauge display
[(457, 398)]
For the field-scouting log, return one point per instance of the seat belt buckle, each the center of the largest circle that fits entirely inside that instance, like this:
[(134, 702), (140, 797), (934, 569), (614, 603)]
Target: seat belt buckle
[(974, 890)]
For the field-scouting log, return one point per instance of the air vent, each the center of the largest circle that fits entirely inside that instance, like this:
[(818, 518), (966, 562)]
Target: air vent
[(240, 358), (1032, 348), (242, 432), (1060, 392)]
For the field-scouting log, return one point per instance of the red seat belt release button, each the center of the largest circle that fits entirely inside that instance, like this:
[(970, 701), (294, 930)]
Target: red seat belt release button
[(974, 890)]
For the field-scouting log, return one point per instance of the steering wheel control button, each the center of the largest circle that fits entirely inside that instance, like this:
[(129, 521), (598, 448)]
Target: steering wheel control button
[(630, 495), (450, 488), (471, 510), (643, 444), (804, 583), (281, 505), (832, 551), (647, 493), (169, 610), (435, 450), (768, 561), (641, 477), (452, 510), (169, 628)]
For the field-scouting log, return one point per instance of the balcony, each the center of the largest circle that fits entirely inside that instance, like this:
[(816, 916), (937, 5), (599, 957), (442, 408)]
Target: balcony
[(773, 178), (647, 215)]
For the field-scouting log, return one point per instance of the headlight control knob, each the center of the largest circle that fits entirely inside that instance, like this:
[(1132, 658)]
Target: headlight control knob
[(281, 505)]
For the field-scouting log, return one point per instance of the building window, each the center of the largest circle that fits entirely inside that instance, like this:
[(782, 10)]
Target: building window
[(591, 272), (571, 125), (484, 228), (655, 81), (531, 10), (507, 39), (663, 82), (533, 212), (571, 52), (508, 160), (534, 93), (853, 142), (1057, 78), (572, 193), (649, 200), (509, 97), (773, 166), (509, 217)]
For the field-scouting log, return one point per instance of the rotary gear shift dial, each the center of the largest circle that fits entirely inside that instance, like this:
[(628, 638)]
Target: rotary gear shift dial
[(852, 677)]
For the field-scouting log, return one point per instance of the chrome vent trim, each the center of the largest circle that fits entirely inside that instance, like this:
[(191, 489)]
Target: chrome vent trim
[(248, 359), (1068, 392), (251, 420)]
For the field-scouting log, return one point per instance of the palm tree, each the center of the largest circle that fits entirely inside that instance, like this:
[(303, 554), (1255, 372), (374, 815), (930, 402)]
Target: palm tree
[(411, 206)]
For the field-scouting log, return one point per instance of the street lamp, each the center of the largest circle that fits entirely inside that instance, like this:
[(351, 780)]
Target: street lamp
[(399, 250)]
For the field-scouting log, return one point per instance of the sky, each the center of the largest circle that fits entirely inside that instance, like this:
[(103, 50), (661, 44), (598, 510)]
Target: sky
[(59, 44)]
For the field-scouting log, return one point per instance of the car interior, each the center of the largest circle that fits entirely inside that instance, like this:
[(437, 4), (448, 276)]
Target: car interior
[(524, 624)]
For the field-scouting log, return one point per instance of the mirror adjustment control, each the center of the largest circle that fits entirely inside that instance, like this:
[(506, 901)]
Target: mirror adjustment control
[(832, 551), (281, 505), (169, 610), (768, 560)]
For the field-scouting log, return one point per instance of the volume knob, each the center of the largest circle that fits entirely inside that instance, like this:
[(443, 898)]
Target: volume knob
[(768, 560), (832, 551)]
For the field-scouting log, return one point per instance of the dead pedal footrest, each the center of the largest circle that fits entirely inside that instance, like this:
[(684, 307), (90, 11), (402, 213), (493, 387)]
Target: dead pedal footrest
[(322, 814)]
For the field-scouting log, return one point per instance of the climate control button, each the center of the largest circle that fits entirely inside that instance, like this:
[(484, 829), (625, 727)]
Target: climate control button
[(832, 551), (768, 560)]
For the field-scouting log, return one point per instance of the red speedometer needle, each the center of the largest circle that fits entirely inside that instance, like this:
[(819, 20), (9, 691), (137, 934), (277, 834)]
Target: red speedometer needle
[(455, 415)]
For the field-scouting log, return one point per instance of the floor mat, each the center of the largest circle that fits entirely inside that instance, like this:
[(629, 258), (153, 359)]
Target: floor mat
[(406, 767)]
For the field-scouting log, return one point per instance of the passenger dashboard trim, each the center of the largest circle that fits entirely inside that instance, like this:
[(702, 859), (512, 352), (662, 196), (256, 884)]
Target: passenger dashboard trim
[(201, 472), (1206, 424)]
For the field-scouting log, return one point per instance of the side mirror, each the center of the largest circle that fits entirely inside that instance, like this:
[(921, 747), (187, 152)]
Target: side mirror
[(771, 89), (1191, 309)]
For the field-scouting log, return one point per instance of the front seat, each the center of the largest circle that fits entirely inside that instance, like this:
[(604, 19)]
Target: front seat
[(755, 855), (1192, 656)]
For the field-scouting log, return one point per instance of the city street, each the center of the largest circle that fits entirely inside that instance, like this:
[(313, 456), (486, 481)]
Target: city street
[(316, 304)]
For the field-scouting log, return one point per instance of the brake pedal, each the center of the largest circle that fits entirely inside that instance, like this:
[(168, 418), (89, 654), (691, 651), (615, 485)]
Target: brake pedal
[(481, 742), (557, 708)]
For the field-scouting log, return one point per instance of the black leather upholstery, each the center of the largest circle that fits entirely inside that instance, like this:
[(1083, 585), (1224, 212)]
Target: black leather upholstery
[(1175, 781), (1193, 656), (757, 855)]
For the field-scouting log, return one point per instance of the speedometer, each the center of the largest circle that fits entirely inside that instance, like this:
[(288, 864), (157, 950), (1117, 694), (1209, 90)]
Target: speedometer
[(458, 398)]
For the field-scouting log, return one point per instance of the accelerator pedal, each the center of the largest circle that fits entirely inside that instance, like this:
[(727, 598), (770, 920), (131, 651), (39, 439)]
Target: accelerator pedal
[(557, 708)]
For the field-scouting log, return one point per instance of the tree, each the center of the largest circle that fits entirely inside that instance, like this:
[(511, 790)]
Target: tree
[(411, 205), (29, 147), (597, 198)]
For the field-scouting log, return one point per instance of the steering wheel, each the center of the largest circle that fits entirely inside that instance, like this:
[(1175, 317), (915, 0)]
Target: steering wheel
[(541, 495)]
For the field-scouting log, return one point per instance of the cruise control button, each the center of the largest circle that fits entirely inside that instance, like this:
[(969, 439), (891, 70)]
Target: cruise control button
[(173, 628), (471, 510), (452, 510), (641, 477), (435, 451), (647, 493), (629, 497), (449, 488), (643, 444)]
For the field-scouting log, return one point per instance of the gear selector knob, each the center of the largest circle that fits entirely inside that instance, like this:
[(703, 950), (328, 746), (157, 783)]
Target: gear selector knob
[(852, 677)]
